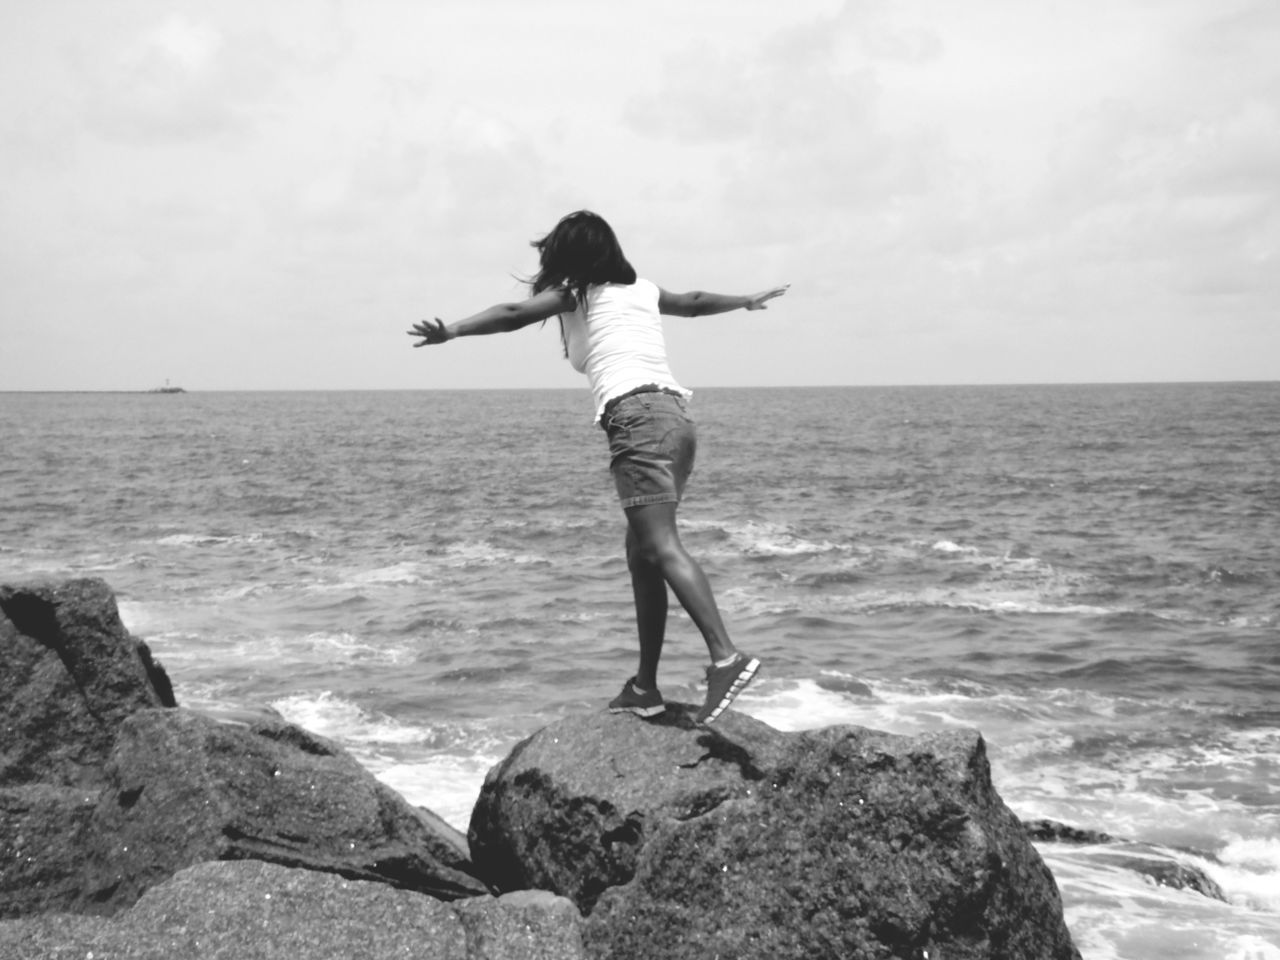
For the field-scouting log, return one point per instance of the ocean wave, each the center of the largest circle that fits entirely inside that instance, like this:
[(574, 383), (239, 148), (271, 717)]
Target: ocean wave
[(441, 766), (404, 574), (904, 706), (329, 648), (482, 553), (761, 539), (208, 539), (1248, 871), (397, 574), (993, 599), (797, 705), (448, 785), (947, 548), (332, 716), (1115, 913), (976, 602)]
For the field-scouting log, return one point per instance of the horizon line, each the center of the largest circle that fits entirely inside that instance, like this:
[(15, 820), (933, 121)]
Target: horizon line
[(810, 386)]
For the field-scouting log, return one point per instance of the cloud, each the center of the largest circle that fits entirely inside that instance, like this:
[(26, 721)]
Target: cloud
[(185, 79), (939, 181), (1001, 168), (812, 165)]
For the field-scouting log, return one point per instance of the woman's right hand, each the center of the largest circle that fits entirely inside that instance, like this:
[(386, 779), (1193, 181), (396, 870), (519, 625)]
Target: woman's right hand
[(431, 332)]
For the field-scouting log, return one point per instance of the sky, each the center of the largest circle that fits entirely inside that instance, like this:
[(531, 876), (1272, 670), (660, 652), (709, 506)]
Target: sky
[(265, 195)]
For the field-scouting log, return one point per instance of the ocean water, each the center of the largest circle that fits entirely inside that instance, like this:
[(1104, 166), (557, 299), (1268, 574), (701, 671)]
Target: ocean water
[(1090, 575)]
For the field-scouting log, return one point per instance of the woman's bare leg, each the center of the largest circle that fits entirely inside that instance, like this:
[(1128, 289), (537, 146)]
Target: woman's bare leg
[(650, 592), (657, 559)]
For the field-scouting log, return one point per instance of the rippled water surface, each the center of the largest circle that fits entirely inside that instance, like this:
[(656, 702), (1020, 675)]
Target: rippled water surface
[(1087, 574)]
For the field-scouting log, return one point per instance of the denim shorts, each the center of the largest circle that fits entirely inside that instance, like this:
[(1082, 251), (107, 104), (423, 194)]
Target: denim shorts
[(652, 442)]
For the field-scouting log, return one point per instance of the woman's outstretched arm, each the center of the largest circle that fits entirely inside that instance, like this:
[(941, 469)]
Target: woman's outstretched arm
[(500, 318), (698, 303)]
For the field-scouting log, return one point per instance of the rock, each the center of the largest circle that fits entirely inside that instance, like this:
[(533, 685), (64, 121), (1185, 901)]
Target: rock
[(569, 808), (526, 925), (182, 788), (1164, 866), (252, 910), (1054, 831), (744, 842), (40, 858), (106, 788), (70, 674)]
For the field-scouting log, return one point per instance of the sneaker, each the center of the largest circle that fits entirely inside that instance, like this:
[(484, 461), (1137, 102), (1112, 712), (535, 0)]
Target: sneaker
[(724, 684), (630, 700)]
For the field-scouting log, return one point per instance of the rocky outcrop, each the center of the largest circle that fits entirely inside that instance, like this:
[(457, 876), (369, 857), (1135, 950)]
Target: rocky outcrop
[(182, 788), (1177, 869), (742, 841), (107, 789), (250, 909), (130, 827), (70, 674), (1055, 831)]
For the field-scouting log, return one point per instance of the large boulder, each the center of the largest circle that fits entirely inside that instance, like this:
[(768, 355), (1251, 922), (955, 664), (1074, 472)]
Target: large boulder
[(252, 910), (182, 788), (741, 841), (70, 674), (106, 788)]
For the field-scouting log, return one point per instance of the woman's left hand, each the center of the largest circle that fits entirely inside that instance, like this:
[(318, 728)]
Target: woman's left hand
[(431, 332)]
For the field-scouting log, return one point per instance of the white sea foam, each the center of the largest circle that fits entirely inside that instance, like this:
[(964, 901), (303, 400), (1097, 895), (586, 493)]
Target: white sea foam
[(796, 705), (990, 598), (339, 719), (904, 707), (447, 785), (482, 553), (348, 646), (1116, 912), (438, 766), (1248, 870), (953, 549), (776, 540), (1249, 947), (208, 539), (761, 539), (407, 573), (397, 574), (138, 617)]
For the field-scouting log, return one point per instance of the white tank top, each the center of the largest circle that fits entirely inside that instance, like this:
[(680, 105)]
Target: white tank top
[(618, 342)]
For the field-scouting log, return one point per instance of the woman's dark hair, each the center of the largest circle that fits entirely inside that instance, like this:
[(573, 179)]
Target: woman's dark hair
[(580, 252)]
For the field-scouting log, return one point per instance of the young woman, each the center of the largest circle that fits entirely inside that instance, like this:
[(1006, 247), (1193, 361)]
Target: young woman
[(612, 331)]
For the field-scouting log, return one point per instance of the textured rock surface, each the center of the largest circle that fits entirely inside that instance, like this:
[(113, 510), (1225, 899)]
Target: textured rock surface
[(70, 674), (40, 857), (182, 788), (571, 807), (257, 911), (106, 789), (745, 842), (252, 838)]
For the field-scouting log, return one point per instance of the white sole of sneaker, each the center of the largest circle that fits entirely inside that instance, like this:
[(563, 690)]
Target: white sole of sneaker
[(744, 677), (641, 711)]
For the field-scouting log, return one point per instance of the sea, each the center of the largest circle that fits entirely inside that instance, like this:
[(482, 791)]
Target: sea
[(1087, 574)]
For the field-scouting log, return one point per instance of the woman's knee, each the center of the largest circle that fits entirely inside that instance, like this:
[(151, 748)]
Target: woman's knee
[(652, 537), (636, 558), (659, 551)]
